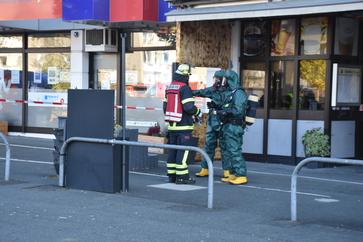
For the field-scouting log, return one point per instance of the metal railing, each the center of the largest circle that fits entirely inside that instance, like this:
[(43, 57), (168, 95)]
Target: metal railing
[(306, 161), (7, 159), (134, 143)]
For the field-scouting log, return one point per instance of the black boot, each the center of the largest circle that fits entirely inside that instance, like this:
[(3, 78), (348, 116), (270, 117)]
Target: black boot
[(172, 179), (184, 180)]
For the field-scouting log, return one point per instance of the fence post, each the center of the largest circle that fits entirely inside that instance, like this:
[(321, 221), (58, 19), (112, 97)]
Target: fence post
[(135, 143), (299, 167), (7, 159)]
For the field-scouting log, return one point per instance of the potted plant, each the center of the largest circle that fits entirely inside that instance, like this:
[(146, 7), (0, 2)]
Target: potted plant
[(316, 143)]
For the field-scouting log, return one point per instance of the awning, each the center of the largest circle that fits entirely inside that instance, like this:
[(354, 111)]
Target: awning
[(43, 25), (267, 9)]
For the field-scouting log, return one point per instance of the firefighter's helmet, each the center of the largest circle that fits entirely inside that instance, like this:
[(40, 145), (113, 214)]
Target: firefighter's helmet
[(183, 69)]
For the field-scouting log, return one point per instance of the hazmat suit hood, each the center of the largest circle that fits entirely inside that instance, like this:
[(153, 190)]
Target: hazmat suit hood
[(232, 79), (220, 73)]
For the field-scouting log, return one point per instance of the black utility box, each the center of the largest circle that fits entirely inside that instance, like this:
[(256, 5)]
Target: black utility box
[(92, 166)]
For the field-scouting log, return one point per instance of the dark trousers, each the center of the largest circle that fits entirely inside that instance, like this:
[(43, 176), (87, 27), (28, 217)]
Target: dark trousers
[(178, 160)]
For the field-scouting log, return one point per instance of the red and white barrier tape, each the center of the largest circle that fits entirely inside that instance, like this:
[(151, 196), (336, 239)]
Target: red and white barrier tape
[(2, 100), (139, 108)]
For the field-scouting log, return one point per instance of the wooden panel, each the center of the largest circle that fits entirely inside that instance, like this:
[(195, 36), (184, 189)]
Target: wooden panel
[(204, 43), (4, 127), (153, 139)]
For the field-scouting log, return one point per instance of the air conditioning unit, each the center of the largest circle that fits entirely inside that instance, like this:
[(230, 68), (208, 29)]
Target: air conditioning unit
[(101, 40)]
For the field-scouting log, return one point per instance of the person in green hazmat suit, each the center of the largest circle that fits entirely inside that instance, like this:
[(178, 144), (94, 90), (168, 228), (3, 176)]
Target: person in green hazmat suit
[(215, 93), (232, 116)]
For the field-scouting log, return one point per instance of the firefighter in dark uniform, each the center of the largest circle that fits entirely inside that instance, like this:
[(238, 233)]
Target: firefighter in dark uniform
[(180, 110)]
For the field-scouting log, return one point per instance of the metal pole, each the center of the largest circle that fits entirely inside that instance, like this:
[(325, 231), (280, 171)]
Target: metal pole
[(123, 110), (303, 163), (134, 143), (7, 158), (293, 196)]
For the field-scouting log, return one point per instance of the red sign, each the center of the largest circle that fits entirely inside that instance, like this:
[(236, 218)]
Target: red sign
[(133, 10), (30, 9)]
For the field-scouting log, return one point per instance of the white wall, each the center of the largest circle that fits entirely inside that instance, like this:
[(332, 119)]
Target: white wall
[(253, 138), (343, 139), (79, 61), (279, 137), (236, 45)]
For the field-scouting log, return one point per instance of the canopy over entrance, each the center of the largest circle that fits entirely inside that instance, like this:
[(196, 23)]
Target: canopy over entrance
[(240, 10)]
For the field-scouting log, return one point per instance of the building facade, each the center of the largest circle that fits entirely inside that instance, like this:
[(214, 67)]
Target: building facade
[(47, 47), (302, 58)]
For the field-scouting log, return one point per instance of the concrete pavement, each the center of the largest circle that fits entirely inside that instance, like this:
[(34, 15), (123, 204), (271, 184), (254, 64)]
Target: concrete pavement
[(33, 208)]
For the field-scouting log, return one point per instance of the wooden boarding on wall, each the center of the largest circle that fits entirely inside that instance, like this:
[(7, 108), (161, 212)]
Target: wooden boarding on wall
[(204, 43), (4, 127)]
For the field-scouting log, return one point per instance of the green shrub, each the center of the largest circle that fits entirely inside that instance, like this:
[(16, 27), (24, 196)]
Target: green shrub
[(316, 143)]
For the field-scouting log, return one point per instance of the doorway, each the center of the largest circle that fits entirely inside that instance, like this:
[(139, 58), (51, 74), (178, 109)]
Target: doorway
[(105, 71)]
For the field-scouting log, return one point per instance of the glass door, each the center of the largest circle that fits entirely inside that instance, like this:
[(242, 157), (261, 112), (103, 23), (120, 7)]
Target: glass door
[(105, 71)]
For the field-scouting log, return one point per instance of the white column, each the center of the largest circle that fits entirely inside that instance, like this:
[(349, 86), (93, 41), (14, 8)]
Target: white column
[(236, 45), (79, 61)]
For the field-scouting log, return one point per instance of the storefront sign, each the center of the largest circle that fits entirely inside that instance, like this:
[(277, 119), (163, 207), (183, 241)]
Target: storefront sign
[(346, 37), (53, 75), (15, 77), (47, 97), (283, 37), (2, 82), (37, 77), (254, 38), (86, 10), (314, 33), (30, 9), (141, 123), (254, 79), (164, 7), (133, 10), (348, 89), (83, 10), (4, 87)]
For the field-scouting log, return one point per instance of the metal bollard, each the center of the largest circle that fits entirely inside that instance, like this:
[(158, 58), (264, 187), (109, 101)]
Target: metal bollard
[(303, 163), (134, 143), (7, 160)]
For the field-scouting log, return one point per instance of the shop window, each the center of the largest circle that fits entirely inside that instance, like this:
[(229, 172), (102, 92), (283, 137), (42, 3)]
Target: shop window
[(283, 37), (49, 40), (11, 41), (346, 37), (312, 84), (282, 83), (163, 38), (254, 39), (147, 75), (11, 87), (49, 80), (314, 36), (253, 80)]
